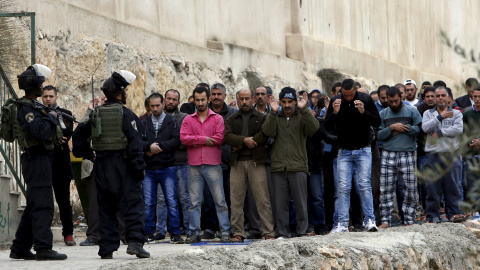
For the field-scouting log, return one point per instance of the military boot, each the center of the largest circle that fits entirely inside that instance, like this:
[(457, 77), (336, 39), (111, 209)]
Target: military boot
[(137, 249)]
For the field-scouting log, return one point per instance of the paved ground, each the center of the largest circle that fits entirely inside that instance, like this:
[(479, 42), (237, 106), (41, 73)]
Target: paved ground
[(87, 258)]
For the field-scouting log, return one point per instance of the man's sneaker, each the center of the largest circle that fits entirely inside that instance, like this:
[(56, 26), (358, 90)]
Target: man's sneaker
[(208, 235), (339, 228), (27, 256), (137, 249), (225, 239), (176, 239), (88, 242), (69, 241), (193, 239), (108, 256), (149, 238), (159, 237), (370, 226), (49, 254)]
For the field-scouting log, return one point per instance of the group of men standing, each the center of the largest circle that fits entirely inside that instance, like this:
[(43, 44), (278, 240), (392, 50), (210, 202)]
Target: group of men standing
[(264, 164)]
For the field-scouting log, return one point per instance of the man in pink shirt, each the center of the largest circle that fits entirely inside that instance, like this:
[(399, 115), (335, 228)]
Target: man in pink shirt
[(202, 133)]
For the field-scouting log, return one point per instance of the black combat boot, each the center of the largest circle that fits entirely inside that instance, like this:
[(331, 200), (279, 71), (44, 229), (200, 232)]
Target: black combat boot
[(137, 249), (26, 256)]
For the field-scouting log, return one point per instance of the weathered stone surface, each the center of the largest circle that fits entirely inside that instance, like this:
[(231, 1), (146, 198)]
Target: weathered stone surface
[(429, 246)]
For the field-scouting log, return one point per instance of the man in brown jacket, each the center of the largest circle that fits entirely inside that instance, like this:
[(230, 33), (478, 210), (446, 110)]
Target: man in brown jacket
[(243, 131)]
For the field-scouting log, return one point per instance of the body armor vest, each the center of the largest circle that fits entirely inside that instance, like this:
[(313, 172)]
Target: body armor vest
[(11, 128), (107, 133)]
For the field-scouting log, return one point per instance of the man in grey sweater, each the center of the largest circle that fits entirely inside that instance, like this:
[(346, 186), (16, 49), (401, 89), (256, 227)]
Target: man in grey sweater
[(442, 125)]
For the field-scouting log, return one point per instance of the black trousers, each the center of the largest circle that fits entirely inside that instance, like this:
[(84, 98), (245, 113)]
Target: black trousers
[(93, 230), (61, 188), (117, 190), (34, 228)]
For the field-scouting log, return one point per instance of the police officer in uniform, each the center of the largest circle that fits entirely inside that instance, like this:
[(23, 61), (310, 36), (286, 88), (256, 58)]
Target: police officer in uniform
[(36, 132), (119, 166)]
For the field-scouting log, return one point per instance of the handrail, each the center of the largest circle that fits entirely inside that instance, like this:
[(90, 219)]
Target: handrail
[(14, 171)]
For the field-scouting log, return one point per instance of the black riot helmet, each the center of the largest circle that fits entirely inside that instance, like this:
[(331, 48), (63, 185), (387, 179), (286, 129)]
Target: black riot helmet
[(116, 84), (33, 77)]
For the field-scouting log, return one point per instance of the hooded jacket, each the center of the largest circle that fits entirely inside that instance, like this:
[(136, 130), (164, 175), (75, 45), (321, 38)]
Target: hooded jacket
[(168, 139)]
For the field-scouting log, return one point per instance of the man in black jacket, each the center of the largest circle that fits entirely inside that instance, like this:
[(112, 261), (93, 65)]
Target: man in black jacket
[(352, 114), (62, 172), (243, 131), (467, 100), (161, 136)]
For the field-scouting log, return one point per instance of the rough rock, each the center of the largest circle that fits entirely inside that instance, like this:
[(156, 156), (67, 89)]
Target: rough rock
[(429, 246)]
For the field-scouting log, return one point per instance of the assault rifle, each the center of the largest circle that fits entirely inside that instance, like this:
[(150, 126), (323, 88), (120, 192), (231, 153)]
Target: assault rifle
[(60, 115)]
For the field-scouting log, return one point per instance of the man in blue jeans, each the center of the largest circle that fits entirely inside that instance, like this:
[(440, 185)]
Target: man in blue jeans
[(350, 116), (161, 136)]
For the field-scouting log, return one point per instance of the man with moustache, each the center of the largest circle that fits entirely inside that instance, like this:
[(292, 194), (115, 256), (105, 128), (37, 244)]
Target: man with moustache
[(382, 101), (161, 137), (243, 131), (172, 100), (202, 133), (398, 131), (261, 99), (290, 127), (217, 104)]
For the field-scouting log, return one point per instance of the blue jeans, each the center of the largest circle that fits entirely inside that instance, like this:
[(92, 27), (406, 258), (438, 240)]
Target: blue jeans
[(167, 181), (181, 172), (347, 161), (213, 177), (315, 198)]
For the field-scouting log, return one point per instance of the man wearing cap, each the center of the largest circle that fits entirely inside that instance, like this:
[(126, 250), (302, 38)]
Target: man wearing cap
[(290, 127), (411, 92), (119, 166), (37, 135)]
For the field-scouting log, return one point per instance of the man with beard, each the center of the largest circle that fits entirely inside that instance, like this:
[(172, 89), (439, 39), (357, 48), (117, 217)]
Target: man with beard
[(411, 92), (202, 133), (261, 99), (172, 100), (290, 127), (398, 131), (243, 131), (382, 101), (161, 137), (352, 115), (217, 104)]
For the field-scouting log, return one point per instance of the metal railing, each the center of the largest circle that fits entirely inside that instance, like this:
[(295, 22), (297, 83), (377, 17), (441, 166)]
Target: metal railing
[(10, 150)]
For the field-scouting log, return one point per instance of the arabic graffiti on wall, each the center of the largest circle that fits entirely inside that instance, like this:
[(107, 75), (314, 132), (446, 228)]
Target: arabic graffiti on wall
[(5, 219)]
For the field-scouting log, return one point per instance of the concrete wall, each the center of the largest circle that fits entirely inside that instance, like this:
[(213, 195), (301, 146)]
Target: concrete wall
[(379, 41)]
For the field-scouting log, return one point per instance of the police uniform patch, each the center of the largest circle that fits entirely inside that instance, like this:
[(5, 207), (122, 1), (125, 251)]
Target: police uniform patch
[(134, 125), (29, 117)]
